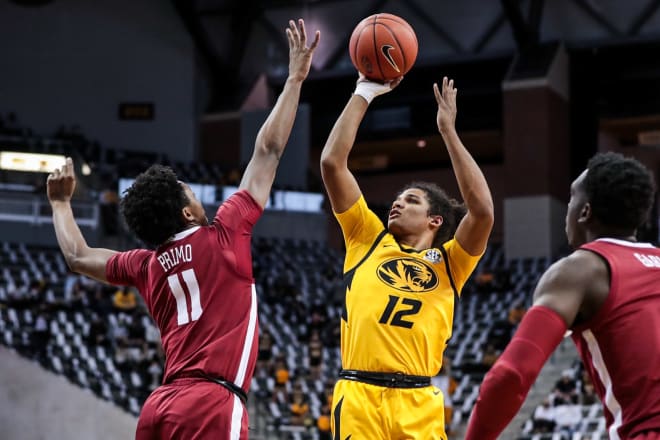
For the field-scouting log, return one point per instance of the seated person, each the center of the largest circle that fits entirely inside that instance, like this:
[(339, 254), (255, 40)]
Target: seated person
[(299, 407), (568, 419), (281, 375), (565, 391), (323, 423), (544, 417), (500, 334), (489, 356), (516, 313), (124, 299)]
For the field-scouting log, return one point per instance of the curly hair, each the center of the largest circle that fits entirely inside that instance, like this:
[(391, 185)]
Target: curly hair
[(152, 205), (451, 210), (620, 190)]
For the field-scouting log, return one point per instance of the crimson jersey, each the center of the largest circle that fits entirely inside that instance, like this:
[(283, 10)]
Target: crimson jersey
[(620, 345), (200, 291)]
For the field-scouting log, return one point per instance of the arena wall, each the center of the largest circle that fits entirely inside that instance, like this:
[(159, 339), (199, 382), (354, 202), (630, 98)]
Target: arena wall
[(36, 404), (73, 62)]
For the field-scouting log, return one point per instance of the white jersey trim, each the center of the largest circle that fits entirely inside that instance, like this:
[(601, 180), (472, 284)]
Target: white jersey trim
[(611, 401), (184, 233), (626, 243), (236, 418), (249, 340)]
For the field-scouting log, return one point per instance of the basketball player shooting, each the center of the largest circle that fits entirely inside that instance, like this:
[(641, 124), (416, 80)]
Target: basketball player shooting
[(401, 281)]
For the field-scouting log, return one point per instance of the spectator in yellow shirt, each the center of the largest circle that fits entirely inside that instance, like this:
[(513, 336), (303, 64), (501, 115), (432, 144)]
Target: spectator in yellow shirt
[(124, 299)]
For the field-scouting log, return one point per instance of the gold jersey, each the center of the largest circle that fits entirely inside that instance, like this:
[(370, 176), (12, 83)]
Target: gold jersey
[(399, 303)]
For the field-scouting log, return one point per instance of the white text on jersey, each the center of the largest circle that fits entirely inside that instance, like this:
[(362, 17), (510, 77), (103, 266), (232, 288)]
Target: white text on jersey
[(648, 260), (174, 256)]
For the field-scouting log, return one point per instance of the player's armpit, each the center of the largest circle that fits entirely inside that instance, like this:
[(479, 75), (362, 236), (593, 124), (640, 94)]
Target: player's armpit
[(93, 262), (564, 286)]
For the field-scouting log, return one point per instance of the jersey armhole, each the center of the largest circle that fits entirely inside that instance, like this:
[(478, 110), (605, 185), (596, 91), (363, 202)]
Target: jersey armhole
[(348, 275), (451, 283), (605, 307), (369, 252), (449, 275)]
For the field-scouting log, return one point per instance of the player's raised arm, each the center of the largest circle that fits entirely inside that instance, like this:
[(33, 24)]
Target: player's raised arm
[(274, 133), (79, 256), (342, 188), (474, 229)]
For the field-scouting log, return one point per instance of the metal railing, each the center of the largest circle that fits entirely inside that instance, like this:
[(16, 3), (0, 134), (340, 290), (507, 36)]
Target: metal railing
[(34, 210)]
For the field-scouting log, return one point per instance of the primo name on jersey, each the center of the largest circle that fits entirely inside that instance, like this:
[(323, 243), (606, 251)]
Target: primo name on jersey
[(174, 256)]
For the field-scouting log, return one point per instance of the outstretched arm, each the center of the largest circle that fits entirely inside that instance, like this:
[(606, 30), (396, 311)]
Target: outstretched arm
[(274, 134), (78, 255), (557, 301), (342, 188), (474, 229)]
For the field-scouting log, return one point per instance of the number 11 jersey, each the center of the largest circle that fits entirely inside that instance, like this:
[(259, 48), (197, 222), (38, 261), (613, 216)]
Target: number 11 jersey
[(199, 289)]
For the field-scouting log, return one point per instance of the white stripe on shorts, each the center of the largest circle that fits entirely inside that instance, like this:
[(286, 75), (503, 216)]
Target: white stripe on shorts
[(236, 418)]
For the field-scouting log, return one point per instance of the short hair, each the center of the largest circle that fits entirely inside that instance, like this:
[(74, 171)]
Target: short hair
[(451, 210), (619, 189), (152, 205)]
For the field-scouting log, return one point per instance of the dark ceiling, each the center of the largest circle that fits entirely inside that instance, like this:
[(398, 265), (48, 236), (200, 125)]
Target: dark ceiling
[(239, 40), (613, 48)]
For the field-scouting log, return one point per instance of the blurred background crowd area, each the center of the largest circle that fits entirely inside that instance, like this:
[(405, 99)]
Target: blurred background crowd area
[(119, 86)]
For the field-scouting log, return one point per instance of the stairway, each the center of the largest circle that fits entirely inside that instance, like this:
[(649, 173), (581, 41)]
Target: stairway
[(562, 358)]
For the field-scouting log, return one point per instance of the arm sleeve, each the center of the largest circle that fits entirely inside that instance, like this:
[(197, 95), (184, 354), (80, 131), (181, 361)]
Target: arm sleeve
[(359, 223), (125, 268), (461, 264), (239, 212), (360, 226), (506, 385)]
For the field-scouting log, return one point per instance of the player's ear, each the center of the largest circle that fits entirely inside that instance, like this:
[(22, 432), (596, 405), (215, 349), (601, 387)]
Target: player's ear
[(187, 214), (436, 221), (585, 213)]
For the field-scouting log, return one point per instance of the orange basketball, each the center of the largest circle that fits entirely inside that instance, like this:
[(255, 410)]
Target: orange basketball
[(383, 47)]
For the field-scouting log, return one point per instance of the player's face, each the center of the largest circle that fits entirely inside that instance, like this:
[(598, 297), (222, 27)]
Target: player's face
[(409, 213), (575, 232), (195, 206)]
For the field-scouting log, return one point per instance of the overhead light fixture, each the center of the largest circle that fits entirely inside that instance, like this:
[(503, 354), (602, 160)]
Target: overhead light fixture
[(31, 162)]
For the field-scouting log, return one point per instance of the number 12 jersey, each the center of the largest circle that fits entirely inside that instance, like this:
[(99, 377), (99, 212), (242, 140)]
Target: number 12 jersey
[(399, 303)]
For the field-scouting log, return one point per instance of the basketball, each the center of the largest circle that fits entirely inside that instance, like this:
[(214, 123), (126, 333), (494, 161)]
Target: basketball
[(383, 47)]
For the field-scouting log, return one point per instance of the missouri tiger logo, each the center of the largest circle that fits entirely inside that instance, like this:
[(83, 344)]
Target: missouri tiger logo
[(407, 275)]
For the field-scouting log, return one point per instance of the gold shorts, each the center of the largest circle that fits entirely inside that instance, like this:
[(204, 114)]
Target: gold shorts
[(368, 412)]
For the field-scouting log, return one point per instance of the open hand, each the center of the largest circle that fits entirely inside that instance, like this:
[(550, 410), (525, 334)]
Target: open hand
[(61, 183), (446, 118), (300, 56)]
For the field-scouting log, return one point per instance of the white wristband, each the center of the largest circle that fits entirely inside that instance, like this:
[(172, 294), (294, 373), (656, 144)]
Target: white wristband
[(369, 90)]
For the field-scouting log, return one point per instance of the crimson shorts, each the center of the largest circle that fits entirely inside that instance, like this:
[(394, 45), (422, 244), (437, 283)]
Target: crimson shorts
[(648, 435), (192, 409)]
